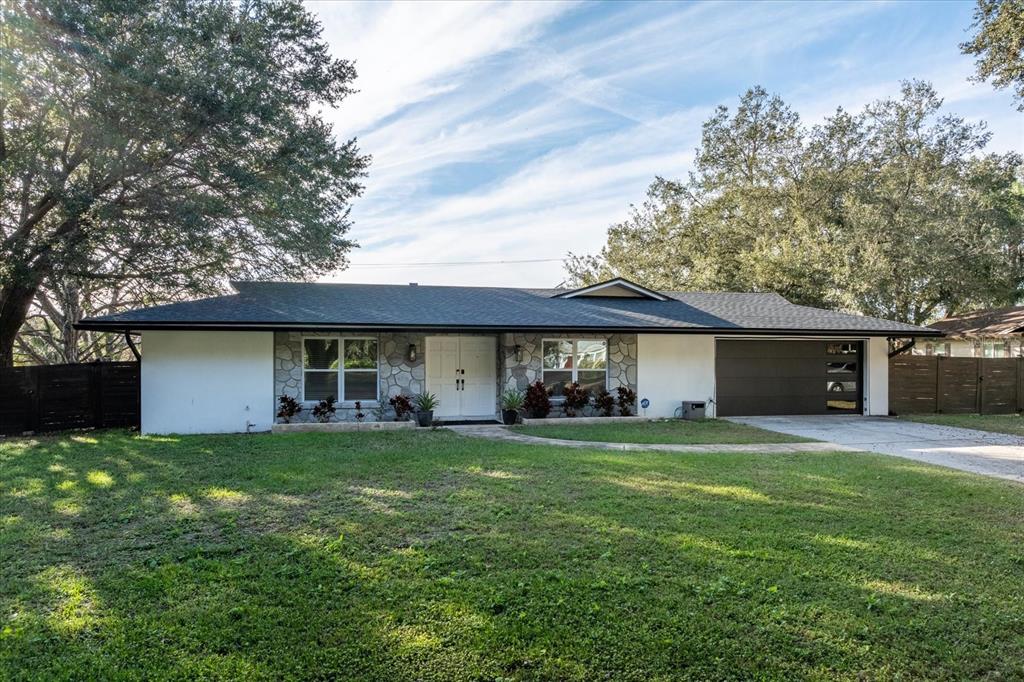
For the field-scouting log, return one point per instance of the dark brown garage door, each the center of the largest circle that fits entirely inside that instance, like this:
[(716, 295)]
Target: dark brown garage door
[(788, 377)]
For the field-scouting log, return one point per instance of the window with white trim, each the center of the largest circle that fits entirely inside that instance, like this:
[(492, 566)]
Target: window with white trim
[(324, 374), (995, 349), (319, 368), (359, 380), (584, 361)]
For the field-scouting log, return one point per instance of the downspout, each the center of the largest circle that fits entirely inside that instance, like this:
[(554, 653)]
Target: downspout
[(131, 345), (902, 349)]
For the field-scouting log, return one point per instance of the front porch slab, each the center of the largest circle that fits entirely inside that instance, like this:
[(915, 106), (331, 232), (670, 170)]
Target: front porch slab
[(338, 427)]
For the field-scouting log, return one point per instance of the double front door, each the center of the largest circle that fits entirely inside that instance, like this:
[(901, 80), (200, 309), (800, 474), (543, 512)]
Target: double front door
[(462, 372)]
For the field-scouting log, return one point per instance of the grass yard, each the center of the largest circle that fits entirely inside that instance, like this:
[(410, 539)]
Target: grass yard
[(425, 555), (1012, 424), (708, 431)]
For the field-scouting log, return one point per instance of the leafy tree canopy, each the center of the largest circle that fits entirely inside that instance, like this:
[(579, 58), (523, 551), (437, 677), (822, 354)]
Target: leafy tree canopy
[(998, 45), (169, 144), (894, 211)]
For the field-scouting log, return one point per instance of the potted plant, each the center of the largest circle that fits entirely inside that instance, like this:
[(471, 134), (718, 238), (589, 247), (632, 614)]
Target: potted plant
[(425, 404), (325, 409), (289, 408), (537, 401), (511, 403), (576, 398), (605, 402)]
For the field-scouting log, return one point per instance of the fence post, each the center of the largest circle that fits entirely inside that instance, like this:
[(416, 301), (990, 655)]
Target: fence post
[(96, 394), (1019, 400), (34, 382), (979, 394), (940, 383)]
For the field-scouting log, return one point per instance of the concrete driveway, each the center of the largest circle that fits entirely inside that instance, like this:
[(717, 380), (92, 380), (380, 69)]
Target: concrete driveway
[(981, 452)]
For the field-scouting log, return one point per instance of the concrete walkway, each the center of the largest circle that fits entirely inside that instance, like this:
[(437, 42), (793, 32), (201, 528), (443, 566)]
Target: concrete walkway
[(497, 432), (981, 452)]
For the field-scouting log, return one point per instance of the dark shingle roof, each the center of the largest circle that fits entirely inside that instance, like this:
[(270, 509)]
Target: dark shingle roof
[(303, 305)]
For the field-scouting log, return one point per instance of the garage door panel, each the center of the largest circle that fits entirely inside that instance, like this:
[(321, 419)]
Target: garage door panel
[(779, 368), (779, 387), (758, 406), (786, 377), (776, 349)]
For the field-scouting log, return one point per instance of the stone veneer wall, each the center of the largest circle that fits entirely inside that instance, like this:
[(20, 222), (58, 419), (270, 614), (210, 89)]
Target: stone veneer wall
[(397, 374), (622, 361)]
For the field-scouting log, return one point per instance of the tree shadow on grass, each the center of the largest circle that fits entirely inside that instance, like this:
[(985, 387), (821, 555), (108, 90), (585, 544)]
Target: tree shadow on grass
[(370, 557)]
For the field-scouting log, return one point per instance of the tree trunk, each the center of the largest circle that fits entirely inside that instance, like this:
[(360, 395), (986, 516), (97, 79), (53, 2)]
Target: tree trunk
[(15, 300)]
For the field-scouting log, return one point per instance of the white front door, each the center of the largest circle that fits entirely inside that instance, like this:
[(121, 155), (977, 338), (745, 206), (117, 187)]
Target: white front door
[(443, 377), (461, 371)]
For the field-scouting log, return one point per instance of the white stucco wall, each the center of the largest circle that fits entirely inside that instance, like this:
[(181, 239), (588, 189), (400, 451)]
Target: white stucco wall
[(207, 382), (876, 376), (672, 368)]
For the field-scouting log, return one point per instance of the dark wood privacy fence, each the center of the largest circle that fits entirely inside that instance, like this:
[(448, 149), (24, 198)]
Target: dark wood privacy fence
[(55, 397), (935, 383)]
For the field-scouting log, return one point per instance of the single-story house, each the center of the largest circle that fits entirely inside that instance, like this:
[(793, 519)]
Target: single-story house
[(990, 333), (220, 364)]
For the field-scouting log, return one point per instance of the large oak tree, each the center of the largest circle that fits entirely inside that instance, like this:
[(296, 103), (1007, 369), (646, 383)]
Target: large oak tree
[(169, 144), (998, 45), (894, 211)]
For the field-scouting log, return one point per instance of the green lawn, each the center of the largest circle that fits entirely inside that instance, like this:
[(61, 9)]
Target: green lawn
[(425, 555), (710, 431), (1000, 423)]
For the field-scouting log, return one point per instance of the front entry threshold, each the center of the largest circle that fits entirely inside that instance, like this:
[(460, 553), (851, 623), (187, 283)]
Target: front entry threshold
[(466, 422)]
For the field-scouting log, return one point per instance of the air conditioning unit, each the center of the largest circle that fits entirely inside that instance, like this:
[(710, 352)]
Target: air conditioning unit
[(693, 409)]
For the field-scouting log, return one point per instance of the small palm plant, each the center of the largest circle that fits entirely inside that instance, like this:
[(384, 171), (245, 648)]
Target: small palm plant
[(512, 399), (511, 403), (425, 404)]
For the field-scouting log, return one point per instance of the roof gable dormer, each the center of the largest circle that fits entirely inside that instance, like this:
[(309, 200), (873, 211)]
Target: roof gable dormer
[(614, 288)]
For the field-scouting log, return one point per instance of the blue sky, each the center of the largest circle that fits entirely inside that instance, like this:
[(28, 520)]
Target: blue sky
[(520, 132)]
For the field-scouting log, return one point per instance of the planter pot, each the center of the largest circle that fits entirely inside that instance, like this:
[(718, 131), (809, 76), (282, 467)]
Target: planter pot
[(509, 417), (425, 418)]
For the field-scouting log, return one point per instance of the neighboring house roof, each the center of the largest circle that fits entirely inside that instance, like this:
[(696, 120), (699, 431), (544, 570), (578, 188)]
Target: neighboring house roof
[(983, 323), (300, 305)]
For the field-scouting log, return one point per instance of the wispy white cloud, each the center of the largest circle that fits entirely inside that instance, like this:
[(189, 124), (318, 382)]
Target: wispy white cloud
[(406, 52), (522, 130), (557, 203)]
